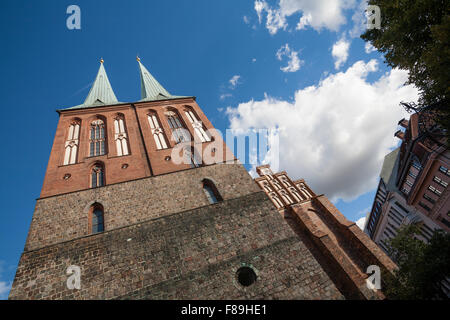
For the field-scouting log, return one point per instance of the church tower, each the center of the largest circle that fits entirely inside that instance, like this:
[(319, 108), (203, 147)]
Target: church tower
[(143, 200)]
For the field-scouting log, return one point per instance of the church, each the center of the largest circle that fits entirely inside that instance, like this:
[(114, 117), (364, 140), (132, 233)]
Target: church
[(138, 225)]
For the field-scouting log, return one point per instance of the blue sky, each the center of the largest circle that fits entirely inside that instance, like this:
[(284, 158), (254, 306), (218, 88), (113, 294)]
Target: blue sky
[(298, 65)]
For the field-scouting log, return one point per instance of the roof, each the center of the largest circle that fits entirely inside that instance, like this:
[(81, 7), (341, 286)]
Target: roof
[(102, 94), (151, 89)]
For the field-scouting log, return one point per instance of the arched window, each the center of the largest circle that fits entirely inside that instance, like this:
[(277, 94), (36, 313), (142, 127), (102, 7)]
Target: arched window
[(157, 131), (197, 125), (97, 176), (285, 197), (97, 138), (211, 192), (276, 200), (120, 135), (192, 157), (96, 222), (71, 147), (179, 131)]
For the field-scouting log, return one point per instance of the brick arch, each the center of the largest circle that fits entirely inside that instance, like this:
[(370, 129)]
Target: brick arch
[(90, 120), (212, 185), (91, 166), (92, 207)]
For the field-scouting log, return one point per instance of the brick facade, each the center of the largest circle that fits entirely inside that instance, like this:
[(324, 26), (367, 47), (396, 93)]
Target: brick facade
[(165, 234)]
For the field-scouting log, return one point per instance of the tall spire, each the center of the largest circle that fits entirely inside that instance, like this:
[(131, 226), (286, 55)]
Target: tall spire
[(151, 89), (101, 91)]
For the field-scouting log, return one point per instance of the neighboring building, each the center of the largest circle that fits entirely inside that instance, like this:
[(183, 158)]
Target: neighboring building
[(413, 185), (390, 210), (140, 226)]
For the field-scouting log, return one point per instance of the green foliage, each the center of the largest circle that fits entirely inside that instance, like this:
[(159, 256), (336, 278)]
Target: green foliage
[(415, 36), (421, 266)]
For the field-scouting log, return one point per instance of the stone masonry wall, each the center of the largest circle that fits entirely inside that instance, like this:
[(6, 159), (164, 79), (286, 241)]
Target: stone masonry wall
[(188, 255), (65, 217)]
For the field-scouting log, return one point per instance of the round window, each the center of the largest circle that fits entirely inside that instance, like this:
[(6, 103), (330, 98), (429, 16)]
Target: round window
[(246, 276)]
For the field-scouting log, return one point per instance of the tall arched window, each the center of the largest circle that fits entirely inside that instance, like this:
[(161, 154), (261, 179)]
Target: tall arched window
[(179, 131), (71, 147), (120, 135), (97, 176), (197, 125), (211, 192), (192, 157), (96, 222), (157, 131), (97, 138)]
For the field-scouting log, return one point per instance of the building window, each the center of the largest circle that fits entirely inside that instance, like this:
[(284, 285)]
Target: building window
[(409, 183), (430, 199), (417, 165), (97, 138), (440, 181), (211, 192), (446, 222), (71, 146), (444, 170), (197, 125), (412, 175), (192, 157), (179, 131), (246, 276), (97, 219), (97, 176), (120, 135), (434, 190), (423, 205), (157, 131)]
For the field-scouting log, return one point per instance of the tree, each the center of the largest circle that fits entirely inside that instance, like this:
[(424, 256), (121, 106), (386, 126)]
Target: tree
[(415, 36), (421, 266)]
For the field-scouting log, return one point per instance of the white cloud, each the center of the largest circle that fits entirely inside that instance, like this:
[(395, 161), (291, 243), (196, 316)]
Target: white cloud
[(259, 8), (5, 286), (359, 19), (294, 62), (254, 60), (369, 48), (234, 81), (246, 20), (340, 52), (361, 222), (225, 95), (363, 211), (4, 289), (317, 14), (275, 20), (334, 134)]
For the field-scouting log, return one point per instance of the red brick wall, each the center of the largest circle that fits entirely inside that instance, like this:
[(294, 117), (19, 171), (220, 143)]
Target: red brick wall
[(141, 146)]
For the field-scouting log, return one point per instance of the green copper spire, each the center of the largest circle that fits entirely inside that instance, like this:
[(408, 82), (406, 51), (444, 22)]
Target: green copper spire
[(151, 89), (101, 91)]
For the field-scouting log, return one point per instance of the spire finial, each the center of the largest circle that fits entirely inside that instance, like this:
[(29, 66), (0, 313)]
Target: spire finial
[(138, 59), (101, 60)]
